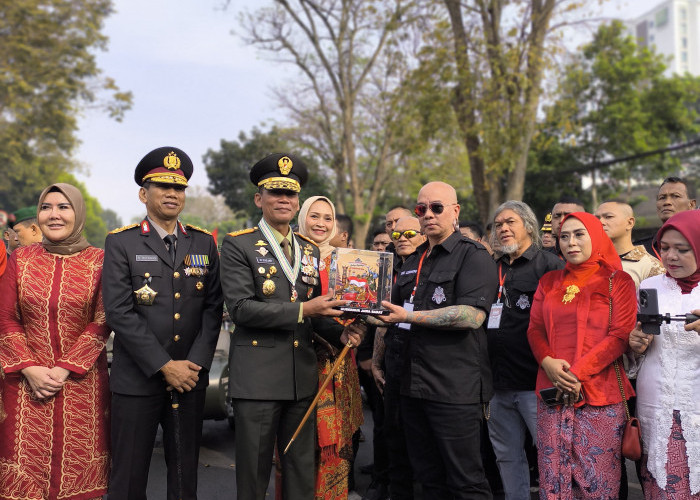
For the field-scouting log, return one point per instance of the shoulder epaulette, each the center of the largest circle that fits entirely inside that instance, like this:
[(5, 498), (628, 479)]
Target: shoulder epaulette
[(306, 238), (119, 230), (243, 231), (197, 228)]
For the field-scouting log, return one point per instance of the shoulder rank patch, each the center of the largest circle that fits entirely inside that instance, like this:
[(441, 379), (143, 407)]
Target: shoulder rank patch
[(306, 239), (243, 231), (197, 228), (119, 230)]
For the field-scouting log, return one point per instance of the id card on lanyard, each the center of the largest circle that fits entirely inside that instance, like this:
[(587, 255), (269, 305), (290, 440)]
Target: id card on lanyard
[(497, 309), (408, 304)]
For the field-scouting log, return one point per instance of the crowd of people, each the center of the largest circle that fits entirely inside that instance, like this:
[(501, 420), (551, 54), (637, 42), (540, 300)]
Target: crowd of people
[(522, 338)]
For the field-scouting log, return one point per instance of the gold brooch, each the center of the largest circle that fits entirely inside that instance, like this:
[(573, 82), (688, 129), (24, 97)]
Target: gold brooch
[(171, 162), (571, 292), (285, 164)]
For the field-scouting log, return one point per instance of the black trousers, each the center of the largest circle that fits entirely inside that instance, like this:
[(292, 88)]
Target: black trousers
[(258, 424), (376, 405), (444, 444), (400, 470), (135, 421)]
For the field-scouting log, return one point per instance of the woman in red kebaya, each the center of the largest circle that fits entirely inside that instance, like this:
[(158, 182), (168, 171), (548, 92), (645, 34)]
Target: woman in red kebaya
[(575, 342), (54, 439)]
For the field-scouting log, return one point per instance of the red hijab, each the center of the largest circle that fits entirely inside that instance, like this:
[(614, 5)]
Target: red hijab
[(688, 224), (603, 253)]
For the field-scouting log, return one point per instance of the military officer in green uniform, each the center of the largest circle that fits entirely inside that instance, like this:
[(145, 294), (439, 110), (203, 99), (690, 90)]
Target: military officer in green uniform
[(162, 298), (272, 288)]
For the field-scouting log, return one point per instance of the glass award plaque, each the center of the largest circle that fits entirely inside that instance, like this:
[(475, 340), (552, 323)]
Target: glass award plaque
[(362, 277)]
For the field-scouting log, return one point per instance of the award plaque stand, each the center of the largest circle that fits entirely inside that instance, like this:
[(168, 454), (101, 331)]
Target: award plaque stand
[(362, 277)]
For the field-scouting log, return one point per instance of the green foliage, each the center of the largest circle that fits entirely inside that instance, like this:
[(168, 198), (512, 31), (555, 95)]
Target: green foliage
[(47, 72), (615, 102), (111, 219), (228, 169)]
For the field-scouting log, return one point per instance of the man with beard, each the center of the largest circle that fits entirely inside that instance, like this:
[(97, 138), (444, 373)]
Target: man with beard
[(521, 264)]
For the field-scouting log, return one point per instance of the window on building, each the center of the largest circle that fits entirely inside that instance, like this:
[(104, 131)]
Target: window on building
[(683, 13), (684, 56), (684, 42)]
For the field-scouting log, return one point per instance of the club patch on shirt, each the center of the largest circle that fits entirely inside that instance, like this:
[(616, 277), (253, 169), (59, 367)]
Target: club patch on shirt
[(439, 295), (523, 302), (146, 258)]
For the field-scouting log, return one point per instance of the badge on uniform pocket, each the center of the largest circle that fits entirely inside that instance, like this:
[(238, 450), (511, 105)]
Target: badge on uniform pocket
[(145, 296)]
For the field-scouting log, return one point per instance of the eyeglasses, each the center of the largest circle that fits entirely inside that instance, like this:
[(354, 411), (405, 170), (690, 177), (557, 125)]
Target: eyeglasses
[(409, 233), (436, 207)]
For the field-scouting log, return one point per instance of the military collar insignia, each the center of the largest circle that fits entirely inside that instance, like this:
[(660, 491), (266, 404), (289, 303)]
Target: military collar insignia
[(181, 225), (145, 227)]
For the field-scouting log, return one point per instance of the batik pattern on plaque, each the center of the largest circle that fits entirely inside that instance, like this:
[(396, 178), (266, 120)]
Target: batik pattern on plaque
[(51, 314)]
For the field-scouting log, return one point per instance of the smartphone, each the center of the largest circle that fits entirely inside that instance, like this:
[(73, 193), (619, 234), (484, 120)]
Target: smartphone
[(648, 313), (549, 396)]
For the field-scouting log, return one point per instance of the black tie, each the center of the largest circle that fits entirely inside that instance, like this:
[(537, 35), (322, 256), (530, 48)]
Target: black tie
[(287, 251), (170, 243)]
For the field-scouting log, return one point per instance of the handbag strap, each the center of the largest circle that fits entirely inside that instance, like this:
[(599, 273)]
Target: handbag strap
[(617, 366)]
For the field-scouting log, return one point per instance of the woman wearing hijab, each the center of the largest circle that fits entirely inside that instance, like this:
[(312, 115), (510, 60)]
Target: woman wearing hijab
[(668, 393), (54, 427), (575, 337), (339, 411)]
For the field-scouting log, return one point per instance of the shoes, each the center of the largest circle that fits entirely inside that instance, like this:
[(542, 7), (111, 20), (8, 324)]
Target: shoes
[(377, 491), (367, 469)]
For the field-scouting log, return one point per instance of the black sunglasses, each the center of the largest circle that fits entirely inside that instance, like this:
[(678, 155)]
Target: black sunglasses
[(409, 233), (435, 206)]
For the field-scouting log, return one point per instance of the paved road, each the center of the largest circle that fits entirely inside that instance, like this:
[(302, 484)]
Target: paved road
[(217, 473)]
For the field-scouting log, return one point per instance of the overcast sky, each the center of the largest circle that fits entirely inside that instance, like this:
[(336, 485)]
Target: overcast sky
[(194, 83)]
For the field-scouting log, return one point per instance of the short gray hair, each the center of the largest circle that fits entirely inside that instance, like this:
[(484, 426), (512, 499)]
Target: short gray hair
[(527, 215)]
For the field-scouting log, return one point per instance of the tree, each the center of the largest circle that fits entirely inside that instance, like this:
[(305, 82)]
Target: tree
[(111, 219), (47, 73), (228, 169), (615, 102), (338, 47), (500, 50)]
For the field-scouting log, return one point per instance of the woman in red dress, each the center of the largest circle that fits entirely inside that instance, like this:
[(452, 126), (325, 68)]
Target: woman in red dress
[(339, 411), (575, 337), (54, 426)]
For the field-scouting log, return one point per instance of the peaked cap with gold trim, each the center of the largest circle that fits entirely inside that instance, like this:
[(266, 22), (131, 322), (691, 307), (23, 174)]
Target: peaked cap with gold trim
[(280, 171), (166, 165)]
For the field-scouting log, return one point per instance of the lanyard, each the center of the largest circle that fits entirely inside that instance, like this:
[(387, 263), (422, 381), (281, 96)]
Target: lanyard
[(501, 282), (420, 266)]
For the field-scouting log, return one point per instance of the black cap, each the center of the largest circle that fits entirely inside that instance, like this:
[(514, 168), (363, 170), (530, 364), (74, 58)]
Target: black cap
[(280, 171), (166, 165)]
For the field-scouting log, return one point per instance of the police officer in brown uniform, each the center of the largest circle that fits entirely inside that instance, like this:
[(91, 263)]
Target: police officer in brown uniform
[(162, 298), (272, 288)]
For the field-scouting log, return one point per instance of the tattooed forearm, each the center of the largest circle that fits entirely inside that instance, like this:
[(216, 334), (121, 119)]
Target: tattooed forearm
[(371, 320), (379, 348), (451, 317)]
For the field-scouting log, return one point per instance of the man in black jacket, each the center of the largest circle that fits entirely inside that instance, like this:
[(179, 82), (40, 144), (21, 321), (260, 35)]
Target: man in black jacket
[(162, 298)]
